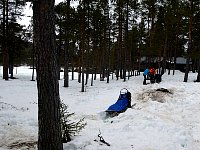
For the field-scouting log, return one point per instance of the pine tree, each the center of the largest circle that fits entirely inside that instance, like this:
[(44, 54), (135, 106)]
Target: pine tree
[(49, 136)]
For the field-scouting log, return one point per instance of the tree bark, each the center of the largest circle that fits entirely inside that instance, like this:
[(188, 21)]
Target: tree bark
[(33, 62), (198, 75), (82, 48), (4, 42), (164, 54), (49, 136), (66, 63), (189, 44), (66, 49)]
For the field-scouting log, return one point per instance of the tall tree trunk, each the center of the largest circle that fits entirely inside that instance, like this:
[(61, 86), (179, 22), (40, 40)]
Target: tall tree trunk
[(174, 66), (108, 71), (164, 55), (33, 61), (88, 43), (82, 67), (102, 50), (4, 42), (189, 43), (82, 47), (59, 49), (66, 63), (79, 65), (198, 75), (11, 65), (72, 70), (119, 57), (49, 136), (126, 42), (66, 50), (72, 60)]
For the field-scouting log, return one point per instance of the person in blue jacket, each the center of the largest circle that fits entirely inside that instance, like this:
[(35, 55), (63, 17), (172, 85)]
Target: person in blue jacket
[(145, 74)]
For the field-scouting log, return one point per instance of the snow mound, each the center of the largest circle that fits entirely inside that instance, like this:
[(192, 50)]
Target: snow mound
[(159, 95)]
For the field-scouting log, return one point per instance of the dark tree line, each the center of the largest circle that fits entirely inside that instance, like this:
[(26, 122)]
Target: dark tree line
[(13, 38), (110, 37), (116, 35)]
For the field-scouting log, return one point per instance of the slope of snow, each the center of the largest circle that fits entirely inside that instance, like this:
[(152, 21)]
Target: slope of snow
[(157, 121)]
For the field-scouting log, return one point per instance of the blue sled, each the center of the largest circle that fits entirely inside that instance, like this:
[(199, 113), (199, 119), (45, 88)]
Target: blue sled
[(123, 102), (120, 106)]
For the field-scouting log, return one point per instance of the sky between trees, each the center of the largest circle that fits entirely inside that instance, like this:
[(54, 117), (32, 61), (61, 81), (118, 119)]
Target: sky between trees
[(28, 12)]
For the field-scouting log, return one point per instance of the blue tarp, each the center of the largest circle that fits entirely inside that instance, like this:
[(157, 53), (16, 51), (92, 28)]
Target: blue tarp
[(120, 105)]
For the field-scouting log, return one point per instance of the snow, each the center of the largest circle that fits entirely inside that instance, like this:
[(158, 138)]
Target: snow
[(157, 121)]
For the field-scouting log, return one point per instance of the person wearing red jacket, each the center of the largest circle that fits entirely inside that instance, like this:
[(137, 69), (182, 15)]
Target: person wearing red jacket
[(152, 75)]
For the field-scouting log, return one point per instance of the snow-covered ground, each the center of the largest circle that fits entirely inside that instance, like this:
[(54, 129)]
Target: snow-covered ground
[(157, 121)]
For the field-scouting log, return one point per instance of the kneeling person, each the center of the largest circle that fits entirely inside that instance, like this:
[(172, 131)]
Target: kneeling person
[(145, 74)]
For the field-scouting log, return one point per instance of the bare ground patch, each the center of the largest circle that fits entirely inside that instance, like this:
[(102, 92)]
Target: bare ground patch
[(23, 145), (6, 106), (158, 95)]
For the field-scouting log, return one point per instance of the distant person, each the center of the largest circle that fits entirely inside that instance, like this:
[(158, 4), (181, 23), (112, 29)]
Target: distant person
[(152, 75), (145, 74), (157, 76)]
